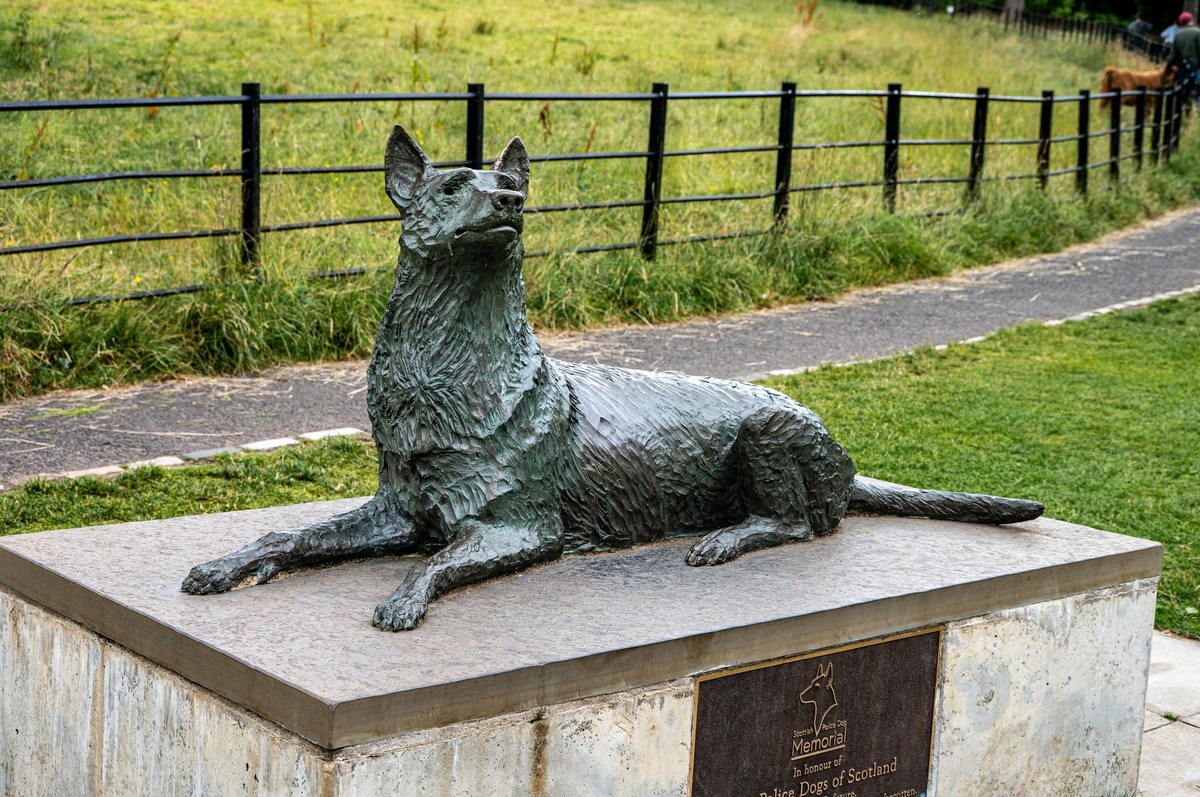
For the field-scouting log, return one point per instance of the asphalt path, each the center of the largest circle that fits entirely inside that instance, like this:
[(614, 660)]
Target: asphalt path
[(76, 430)]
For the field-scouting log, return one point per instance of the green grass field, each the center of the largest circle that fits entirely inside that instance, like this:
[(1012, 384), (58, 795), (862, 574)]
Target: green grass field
[(55, 49), (834, 240), (1098, 419)]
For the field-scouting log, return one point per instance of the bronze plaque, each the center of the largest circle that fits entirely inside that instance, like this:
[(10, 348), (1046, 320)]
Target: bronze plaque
[(850, 722)]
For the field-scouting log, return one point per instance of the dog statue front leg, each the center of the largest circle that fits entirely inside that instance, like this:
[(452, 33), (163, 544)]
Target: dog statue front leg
[(373, 529), (482, 550)]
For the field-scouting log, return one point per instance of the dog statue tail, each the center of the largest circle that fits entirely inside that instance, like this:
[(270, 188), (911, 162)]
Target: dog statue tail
[(875, 497)]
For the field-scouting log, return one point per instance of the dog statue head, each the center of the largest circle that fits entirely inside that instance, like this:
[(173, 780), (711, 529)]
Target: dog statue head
[(459, 209)]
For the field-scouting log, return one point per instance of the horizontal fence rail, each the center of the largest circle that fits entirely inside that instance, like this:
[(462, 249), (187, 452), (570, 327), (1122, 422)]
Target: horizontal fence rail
[(1158, 112)]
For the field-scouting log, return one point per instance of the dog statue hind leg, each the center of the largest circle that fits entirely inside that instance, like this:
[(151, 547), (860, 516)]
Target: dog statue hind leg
[(794, 479)]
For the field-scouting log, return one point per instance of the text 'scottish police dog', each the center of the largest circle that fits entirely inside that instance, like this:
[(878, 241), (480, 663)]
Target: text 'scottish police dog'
[(493, 456)]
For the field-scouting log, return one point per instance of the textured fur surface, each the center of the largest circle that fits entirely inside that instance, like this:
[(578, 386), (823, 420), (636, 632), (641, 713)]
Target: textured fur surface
[(493, 456), (1129, 82)]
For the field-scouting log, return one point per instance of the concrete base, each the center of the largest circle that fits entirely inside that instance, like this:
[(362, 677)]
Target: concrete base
[(576, 678)]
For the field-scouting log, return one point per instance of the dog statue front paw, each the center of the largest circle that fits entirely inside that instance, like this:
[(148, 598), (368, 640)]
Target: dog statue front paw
[(210, 577), (716, 548), (222, 575), (401, 612)]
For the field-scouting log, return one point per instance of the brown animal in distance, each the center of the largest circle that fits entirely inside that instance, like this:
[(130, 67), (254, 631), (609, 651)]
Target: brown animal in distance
[(1129, 83)]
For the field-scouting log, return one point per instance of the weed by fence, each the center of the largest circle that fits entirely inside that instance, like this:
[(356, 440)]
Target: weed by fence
[(1164, 128)]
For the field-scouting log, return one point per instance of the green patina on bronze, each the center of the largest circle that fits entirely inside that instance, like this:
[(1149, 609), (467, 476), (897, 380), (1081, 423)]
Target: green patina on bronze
[(493, 456)]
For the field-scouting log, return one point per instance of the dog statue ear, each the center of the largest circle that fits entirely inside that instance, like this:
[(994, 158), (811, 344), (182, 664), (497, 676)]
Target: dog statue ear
[(404, 167), (514, 161)]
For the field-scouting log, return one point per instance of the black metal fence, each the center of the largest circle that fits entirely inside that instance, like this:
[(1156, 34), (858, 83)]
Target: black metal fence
[(1162, 124)]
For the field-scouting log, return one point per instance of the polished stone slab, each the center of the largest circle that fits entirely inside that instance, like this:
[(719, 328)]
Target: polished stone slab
[(301, 652)]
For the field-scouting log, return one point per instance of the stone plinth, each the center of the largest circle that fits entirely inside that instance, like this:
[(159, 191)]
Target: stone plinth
[(576, 677)]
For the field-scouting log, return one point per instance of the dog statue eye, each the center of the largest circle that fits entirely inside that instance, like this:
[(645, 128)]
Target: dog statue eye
[(451, 187)]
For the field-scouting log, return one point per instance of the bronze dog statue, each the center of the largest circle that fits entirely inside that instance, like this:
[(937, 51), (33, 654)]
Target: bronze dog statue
[(494, 457)]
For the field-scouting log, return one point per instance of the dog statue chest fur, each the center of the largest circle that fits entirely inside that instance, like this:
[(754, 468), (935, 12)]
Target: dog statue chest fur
[(493, 456)]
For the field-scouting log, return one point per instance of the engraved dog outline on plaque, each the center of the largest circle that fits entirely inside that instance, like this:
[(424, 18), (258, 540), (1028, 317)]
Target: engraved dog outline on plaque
[(822, 683)]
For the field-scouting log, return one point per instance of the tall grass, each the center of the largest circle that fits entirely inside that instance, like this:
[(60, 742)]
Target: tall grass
[(54, 49), (835, 240)]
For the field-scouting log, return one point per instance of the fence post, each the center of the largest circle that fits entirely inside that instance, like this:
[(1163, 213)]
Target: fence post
[(1114, 138), (1045, 126), (1182, 104), (251, 174), (475, 126), (978, 142), (1139, 125), (1173, 122), (654, 169), (1081, 164), (891, 147), (1160, 99), (1169, 121), (783, 159)]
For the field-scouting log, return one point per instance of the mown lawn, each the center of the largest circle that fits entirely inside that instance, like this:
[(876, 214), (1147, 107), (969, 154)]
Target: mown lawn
[(1099, 419), (333, 468)]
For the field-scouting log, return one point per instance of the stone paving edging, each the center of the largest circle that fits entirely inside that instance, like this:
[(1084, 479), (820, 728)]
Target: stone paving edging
[(196, 456)]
